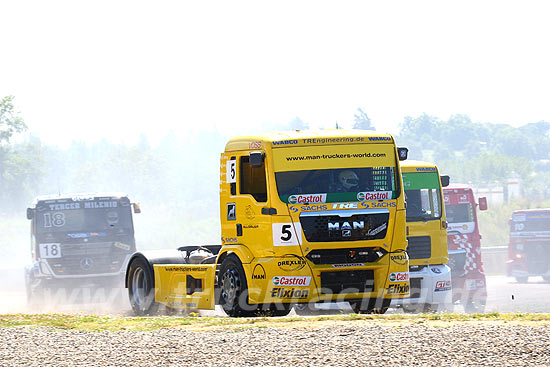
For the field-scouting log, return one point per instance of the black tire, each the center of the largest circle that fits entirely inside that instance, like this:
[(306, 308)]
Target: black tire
[(141, 287), (305, 309), (373, 305), (433, 308), (275, 310), (34, 292), (522, 279), (233, 289), (412, 308), (475, 305), (447, 307)]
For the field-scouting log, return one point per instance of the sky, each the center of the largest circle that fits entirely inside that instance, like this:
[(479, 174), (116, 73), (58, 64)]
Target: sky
[(118, 69)]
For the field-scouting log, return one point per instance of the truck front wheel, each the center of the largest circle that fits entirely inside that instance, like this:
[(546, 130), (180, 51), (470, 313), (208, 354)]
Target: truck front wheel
[(475, 305), (234, 289), (373, 305), (141, 287)]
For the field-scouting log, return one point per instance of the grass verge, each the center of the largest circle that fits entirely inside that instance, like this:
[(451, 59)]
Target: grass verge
[(105, 323)]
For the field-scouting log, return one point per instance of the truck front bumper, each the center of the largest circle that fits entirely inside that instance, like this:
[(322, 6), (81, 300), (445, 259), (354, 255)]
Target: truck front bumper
[(430, 285)]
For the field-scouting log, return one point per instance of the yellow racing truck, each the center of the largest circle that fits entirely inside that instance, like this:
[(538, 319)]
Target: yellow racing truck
[(430, 277), (305, 217)]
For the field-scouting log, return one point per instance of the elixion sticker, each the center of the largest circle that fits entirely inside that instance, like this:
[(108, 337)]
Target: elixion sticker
[(284, 234)]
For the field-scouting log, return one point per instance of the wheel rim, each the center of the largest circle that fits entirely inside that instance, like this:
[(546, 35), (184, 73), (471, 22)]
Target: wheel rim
[(139, 286), (231, 285)]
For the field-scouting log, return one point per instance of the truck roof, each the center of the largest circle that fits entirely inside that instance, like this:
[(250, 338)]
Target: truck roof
[(531, 210), (458, 186), (409, 166), (306, 138), (79, 196)]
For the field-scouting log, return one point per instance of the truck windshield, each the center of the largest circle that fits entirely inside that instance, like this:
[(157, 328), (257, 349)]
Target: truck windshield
[(334, 185), (460, 218), (530, 222), (334, 173), (423, 196), (51, 218)]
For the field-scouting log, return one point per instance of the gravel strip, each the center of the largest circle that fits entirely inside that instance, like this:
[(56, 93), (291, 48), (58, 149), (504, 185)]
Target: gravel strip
[(367, 344)]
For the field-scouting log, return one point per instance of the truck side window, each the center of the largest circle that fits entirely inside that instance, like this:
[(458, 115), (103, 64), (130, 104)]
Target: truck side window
[(253, 180)]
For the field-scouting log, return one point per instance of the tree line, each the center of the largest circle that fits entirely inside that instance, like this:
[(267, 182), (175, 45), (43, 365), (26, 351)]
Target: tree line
[(185, 171)]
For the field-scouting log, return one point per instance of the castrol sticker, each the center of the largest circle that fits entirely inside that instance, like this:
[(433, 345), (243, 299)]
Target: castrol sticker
[(309, 199), (374, 195), (291, 281), (399, 276)]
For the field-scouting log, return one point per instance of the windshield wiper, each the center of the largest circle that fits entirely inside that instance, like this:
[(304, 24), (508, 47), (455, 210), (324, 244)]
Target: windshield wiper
[(419, 218)]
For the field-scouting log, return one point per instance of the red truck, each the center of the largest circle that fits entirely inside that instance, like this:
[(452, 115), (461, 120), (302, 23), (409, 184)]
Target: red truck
[(529, 246), (463, 239)]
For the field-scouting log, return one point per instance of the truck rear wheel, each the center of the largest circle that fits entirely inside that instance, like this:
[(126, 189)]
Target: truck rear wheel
[(234, 289), (522, 279), (373, 305), (141, 287), (475, 305)]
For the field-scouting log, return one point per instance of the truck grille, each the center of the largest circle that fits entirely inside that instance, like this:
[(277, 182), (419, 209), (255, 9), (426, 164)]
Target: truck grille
[(327, 227), (419, 247), (88, 259), (355, 281), (345, 255), (538, 256), (415, 287), (457, 261)]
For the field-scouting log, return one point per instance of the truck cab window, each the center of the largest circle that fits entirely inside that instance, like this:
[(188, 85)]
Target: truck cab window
[(253, 180)]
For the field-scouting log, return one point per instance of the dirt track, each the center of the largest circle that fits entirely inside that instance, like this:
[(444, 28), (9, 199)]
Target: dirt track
[(363, 343)]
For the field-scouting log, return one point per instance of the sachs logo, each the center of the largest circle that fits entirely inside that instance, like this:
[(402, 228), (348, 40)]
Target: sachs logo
[(296, 281), (399, 277)]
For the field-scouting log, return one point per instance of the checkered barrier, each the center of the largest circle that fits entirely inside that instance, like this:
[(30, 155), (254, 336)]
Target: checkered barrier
[(473, 255)]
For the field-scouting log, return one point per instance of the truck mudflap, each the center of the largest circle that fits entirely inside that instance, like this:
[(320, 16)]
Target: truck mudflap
[(185, 286)]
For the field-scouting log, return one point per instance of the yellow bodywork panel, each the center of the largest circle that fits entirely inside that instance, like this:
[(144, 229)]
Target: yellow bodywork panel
[(424, 176), (185, 286)]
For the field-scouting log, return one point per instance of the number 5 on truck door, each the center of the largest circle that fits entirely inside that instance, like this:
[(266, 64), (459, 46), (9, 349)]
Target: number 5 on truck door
[(286, 234)]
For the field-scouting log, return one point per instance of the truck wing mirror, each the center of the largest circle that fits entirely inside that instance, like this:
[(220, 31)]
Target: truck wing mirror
[(402, 153), (256, 159), (445, 180), (483, 203), (137, 208), (30, 213)]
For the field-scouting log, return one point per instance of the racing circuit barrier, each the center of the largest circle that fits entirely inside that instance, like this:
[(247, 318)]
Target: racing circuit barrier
[(494, 259)]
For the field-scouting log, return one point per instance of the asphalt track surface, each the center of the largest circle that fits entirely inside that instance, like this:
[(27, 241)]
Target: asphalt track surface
[(505, 295)]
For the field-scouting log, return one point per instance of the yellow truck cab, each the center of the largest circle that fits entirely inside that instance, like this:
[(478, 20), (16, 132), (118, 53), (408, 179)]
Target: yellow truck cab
[(305, 217), (430, 277)]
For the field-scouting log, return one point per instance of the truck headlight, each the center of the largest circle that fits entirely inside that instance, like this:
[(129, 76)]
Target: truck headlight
[(519, 246)]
